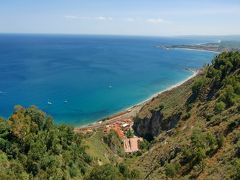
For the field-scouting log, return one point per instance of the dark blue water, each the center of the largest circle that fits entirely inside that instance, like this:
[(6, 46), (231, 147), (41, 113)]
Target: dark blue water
[(79, 79)]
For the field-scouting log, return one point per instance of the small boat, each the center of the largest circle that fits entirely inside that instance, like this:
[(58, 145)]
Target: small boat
[(49, 103), (110, 86), (65, 101)]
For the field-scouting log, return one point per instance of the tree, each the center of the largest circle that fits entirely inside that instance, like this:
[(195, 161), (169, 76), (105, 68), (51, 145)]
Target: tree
[(220, 106), (129, 133), (144, 145), (228, 96), (105, 172), (197, 86), (171, 169)]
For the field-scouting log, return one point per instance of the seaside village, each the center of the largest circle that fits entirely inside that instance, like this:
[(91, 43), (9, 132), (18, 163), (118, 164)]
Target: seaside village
[(123, 128)]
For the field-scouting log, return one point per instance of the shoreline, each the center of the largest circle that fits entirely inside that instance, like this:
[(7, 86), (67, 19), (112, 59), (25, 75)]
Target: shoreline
[(131, 111), (194, 73)]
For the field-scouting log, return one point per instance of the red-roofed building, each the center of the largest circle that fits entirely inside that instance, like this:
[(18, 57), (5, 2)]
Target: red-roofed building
[(119, 131)]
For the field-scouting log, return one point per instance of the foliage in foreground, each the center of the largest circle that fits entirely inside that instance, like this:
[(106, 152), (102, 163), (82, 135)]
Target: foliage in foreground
[(32, 146), (110, 172)]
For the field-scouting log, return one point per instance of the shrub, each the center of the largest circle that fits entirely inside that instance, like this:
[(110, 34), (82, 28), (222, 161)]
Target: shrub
[(129, 133), (220, 140), (233, 125), (171, 169), (144, 145), (161, 106), (186, 116), (134, 174), (208, 116), (237, 166), (123, 169), (197, 86), (107, 171), (228, 96), (220, 106)]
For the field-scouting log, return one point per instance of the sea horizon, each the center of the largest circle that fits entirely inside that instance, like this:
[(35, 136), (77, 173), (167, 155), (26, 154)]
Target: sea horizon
[(207, 36)]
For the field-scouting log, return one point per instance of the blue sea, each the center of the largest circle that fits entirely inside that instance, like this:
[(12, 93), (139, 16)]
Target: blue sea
[(79, 79)]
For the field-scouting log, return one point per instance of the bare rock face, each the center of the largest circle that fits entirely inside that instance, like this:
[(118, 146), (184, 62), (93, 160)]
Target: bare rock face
[(152, 126)]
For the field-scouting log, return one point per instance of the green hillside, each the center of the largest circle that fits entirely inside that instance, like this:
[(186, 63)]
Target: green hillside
[(195, 128)]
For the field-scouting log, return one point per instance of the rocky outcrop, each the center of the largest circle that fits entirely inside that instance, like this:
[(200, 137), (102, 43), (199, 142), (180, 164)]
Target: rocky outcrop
[(151, 126)]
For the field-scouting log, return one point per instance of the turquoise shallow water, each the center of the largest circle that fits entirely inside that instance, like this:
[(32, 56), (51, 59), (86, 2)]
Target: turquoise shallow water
[(79, 79)]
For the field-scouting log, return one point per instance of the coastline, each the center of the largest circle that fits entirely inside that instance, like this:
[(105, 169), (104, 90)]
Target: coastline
[(131, 112), (190, 48), (194, 73), (201, 50)]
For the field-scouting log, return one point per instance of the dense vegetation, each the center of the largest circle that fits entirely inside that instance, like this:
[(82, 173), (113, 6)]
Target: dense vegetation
[(114, 142), (31, 146), (110, 172), (222, 81), (199, 126)]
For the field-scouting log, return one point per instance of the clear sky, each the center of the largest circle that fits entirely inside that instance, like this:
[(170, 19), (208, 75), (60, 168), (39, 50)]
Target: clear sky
[(125, 17)]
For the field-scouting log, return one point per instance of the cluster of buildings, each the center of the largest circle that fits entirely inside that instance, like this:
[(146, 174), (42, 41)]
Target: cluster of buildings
[(122, 127)]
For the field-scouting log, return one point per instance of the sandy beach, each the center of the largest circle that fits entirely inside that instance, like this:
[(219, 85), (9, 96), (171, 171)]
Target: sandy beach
[(131, 111)]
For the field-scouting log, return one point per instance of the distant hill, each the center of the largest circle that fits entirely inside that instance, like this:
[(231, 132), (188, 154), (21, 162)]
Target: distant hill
[(195, 129), (217, 47)]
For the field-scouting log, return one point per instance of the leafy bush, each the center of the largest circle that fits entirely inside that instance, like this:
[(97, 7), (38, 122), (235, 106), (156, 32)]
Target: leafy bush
[(171, 169), (186, 116), (220, 106), (130, 133), (105, 172), (144, 145), (112, 172), (197, 87)]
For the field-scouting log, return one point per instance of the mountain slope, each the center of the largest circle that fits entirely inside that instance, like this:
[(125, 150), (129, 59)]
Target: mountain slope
[(195, 127)]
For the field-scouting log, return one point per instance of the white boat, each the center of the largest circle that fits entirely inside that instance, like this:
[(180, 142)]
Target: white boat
[(49, 103)]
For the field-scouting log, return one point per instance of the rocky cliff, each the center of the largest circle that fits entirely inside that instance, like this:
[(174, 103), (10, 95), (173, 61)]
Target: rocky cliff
[(150, 127)]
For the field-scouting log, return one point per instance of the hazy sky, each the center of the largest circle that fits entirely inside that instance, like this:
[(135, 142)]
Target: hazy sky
[(126, 17)]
